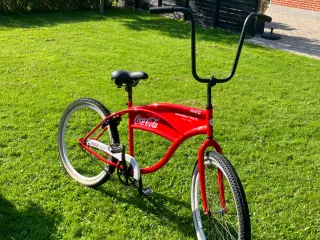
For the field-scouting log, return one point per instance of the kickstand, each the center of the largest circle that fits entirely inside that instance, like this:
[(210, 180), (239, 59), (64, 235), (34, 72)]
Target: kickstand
[(140, 186), (144, 191)]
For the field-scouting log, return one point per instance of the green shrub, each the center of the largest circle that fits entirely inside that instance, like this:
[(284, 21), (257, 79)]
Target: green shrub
[(12, 6)]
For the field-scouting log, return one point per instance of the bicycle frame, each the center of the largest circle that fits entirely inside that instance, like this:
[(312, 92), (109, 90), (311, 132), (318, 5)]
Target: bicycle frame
[(173, 122)]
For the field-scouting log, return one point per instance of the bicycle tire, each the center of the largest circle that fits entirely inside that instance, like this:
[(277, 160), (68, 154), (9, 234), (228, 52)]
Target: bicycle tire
[(234, 223), (78, 119)]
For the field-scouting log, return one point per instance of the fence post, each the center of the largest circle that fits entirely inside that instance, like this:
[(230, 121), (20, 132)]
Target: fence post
[(101, 6), (216, 16), (186, 5)]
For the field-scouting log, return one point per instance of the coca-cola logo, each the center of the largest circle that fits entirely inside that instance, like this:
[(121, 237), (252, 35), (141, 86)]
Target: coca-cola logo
[(151, 122), (195, 111)]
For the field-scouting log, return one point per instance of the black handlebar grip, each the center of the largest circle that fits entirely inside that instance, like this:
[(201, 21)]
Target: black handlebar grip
[(265, 18), (159, 10)]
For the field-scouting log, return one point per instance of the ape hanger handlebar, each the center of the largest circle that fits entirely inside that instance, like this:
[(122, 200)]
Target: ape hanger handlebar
[(212, 80)]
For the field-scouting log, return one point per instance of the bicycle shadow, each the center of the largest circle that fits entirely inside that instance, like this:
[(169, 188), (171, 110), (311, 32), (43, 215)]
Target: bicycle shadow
[(156, 206), (32, 223)]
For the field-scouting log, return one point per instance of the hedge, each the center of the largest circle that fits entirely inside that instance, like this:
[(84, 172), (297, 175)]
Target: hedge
[(12, 6)]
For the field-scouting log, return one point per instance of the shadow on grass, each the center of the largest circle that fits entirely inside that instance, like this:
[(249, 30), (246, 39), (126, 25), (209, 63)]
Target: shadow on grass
[(49, 19), (156, 206), (133, 20), (177, 28), (32, 223)]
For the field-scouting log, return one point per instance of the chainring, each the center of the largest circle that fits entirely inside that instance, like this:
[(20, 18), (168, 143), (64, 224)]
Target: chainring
[(126, 178)]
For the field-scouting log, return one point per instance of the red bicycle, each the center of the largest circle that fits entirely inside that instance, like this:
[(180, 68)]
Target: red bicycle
[(88, 130)]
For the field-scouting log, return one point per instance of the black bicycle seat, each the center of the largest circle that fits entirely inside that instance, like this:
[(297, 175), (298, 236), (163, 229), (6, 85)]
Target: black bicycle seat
[(129, 78)]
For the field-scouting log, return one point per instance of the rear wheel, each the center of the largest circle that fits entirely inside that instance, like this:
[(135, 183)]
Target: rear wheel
[(77, 121), (229, 222)]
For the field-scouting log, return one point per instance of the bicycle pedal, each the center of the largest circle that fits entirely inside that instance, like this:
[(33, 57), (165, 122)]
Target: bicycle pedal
[(147, 191), (116, 148)]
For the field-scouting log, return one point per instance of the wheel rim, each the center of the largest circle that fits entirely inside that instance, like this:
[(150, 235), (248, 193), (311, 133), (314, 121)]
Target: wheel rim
[(219, 225), (79, 163)]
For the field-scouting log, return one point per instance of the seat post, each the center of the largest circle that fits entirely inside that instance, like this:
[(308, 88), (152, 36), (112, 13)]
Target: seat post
[(129, 90), (130, 120)]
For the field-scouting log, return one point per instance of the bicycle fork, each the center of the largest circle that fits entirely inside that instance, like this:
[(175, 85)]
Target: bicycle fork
[(201, 169), (201, 166)]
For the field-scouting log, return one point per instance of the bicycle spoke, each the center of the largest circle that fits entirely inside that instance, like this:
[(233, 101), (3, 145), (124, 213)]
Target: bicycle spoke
[(224, 224), (213, 228), (214, 231)]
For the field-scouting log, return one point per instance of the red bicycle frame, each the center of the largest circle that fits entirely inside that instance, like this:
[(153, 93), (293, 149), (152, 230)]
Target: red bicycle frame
[(173, 122)]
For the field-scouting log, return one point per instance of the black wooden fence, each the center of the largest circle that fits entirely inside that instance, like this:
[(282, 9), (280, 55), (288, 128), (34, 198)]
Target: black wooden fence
[(232, 13), (227, 14)]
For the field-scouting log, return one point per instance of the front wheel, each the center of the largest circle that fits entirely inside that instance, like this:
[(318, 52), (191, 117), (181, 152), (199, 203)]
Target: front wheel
[(228, 216)]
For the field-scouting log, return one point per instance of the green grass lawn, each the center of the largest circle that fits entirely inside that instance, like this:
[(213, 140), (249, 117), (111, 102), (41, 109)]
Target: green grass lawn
[(266, 119)]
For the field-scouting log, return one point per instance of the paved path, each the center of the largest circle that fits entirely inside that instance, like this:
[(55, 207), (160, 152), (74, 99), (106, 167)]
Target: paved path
[(299, 30)]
